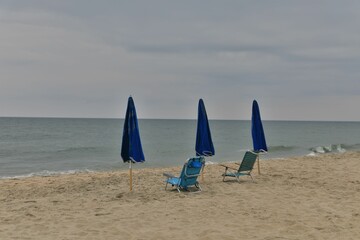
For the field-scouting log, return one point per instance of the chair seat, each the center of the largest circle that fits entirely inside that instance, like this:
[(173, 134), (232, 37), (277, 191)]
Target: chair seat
[(231, 174), (173, 181)]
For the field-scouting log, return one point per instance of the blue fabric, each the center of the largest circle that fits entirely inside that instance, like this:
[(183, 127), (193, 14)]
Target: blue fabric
[(190, 173), (257, 131), (204, 145), (173, 181), (196, 164), (131, 149)]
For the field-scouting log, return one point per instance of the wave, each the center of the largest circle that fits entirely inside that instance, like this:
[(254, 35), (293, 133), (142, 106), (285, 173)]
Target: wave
[(280, 148), (78, 149), (46, 173), (333, 148), (71, 150), (210, 162)]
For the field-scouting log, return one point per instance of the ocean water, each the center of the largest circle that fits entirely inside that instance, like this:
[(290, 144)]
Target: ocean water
[(46, 146)]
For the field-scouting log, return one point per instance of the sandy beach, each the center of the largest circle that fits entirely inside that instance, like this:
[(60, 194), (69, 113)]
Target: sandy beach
[(294, 198)]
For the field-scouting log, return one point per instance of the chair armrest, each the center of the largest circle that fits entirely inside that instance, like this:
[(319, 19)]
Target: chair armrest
[(168, 175), (225, 166)]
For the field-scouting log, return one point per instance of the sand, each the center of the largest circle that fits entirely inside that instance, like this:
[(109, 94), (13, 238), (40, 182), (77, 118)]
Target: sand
[(293, 198)]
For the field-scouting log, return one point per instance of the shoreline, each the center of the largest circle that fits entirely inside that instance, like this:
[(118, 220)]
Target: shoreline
[(297, 198), (49, 173)]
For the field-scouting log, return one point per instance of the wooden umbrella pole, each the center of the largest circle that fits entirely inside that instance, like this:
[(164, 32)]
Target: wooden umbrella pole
[(202, 172), (258, 160), (130, 169)]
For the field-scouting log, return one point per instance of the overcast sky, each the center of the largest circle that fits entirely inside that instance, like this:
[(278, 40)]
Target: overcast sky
[(83, 58)]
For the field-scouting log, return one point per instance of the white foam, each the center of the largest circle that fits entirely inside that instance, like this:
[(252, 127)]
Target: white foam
[(320, 149), (210, 163), (340, 149), (46, 173), (334, 148)]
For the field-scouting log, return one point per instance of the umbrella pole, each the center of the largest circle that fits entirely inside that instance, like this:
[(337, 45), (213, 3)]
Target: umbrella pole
[(202, 174), (130, 169), (258, 161)]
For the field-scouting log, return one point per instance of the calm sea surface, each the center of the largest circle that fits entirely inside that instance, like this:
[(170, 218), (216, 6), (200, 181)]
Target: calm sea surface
[(46, 146)]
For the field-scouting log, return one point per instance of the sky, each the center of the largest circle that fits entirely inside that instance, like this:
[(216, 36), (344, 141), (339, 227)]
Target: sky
[(82, 58)]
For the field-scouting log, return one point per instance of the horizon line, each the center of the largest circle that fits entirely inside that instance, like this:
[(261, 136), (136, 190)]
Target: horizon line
[(210, 119)]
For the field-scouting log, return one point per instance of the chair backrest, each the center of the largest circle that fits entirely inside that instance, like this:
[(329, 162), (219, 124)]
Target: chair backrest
[(191, 170), (248, 162)]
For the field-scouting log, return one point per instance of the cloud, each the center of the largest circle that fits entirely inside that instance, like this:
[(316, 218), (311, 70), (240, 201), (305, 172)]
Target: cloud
[(84, 58)]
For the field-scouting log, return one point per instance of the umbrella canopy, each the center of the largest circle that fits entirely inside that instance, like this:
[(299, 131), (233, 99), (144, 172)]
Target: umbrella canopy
[(257, 130), (204, 145), (131, 149)]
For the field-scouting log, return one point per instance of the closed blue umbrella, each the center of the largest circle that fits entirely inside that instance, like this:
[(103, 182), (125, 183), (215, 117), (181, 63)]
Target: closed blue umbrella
[(257, 131), (204, 145), (131, 149)]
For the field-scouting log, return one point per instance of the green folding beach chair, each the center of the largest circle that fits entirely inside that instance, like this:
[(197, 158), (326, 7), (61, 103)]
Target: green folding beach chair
[(188, 176), (245, 168)]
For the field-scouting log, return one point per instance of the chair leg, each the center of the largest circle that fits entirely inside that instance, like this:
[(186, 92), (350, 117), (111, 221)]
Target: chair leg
[(251, 177), (197, 185), (224, 174), (166, 185)]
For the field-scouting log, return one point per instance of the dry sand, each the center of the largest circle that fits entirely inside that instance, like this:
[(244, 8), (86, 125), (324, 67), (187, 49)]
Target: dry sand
[(295, 198)]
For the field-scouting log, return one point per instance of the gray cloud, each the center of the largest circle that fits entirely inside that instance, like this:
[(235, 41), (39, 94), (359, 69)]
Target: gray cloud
[(84, 58)]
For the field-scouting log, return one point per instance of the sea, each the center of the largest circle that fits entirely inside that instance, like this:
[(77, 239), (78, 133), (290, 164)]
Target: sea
[(53, 146)]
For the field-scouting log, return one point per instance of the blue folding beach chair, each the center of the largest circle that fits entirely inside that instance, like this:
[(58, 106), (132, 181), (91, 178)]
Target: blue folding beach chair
[(245, 168), (189, 174)]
